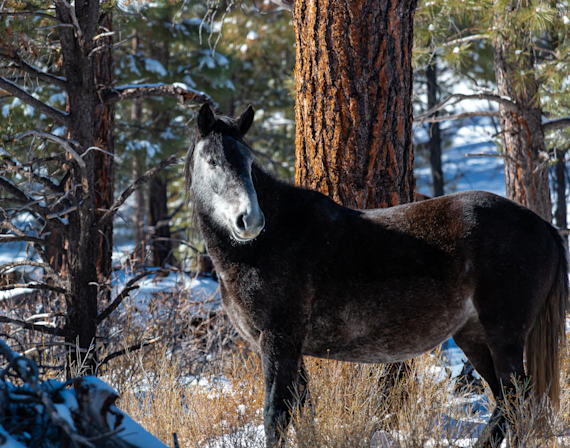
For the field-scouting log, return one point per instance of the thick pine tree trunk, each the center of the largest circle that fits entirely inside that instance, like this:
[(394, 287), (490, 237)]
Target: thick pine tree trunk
[(353, 110), (434, 134), (524, 147)]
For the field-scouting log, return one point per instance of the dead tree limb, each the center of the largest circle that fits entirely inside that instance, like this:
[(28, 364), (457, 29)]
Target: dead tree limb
[(52, 112), (553, 125), (35, 71), (134, 187)]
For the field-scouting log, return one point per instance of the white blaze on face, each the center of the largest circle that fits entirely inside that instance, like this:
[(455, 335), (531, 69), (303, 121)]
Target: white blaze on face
[(230, 196)]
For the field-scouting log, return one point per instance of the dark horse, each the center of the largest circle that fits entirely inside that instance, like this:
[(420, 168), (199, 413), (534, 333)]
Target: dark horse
[(301, 275)]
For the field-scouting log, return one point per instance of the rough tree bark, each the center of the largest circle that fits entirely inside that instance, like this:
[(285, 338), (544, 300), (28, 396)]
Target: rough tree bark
[(104, 163), (82, 262), (561, 213), (434, 134), (522, 137), (353, 110)]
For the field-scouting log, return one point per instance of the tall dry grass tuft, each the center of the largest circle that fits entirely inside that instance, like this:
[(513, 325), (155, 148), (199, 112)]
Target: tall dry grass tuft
[(347, 407)]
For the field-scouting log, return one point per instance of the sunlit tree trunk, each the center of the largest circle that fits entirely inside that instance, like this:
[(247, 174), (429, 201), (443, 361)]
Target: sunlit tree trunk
[(522, 138), (353, 110)]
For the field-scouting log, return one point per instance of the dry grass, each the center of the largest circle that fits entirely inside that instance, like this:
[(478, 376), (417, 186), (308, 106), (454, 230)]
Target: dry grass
[(347, 403)]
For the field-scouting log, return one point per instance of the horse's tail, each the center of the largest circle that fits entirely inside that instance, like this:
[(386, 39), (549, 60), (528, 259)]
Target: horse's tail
[(542, 344)]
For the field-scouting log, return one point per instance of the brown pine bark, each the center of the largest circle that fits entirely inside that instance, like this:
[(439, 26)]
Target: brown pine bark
[(353, 110), (524, 147)]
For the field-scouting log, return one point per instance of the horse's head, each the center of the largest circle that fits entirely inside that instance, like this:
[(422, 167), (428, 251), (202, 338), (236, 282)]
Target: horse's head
[(218, 173)]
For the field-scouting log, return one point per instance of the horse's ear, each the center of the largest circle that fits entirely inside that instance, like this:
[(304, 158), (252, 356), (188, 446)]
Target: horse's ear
[(206, 119), (245, 120)]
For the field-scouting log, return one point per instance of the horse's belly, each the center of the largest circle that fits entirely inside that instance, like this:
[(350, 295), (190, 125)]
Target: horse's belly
[(371, 336)]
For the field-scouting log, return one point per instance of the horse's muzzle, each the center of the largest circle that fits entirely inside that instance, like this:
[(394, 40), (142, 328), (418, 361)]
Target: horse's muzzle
[(248, 226)]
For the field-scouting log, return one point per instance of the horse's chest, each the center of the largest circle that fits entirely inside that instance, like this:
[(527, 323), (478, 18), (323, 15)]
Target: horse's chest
[(241, 312)]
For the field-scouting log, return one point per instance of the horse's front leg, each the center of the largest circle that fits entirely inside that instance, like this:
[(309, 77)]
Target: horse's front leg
[(281, 360)]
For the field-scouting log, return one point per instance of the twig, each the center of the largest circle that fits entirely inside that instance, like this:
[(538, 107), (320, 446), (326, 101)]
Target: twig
[(483, 113), (130, 349), (509, 105), (132, 188), (51, 112), (34, 327), (63, 212), (31, 239), (56, 139), (29, 174), (42, 286), (130, 286), (482, 154), (462, 40)]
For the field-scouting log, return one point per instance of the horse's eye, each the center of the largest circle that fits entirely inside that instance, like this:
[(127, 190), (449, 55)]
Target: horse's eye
[(211, 162)]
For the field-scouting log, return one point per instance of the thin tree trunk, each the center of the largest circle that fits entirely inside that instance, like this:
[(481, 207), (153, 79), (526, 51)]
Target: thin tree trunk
[(353, 110), (81, 261), (104, 163), (434, 134), (159, 221), (139, 215), (561, 214), (523, 143)]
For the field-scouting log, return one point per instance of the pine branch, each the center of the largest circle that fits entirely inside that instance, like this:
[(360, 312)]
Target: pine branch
[(35, 71), (14, 89), (553, 125), (130, 286), (134, 187), (177, 90)]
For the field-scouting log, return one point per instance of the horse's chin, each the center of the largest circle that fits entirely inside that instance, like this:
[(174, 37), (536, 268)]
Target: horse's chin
[(242, 239)]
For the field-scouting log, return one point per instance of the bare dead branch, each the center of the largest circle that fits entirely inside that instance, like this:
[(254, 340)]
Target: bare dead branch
[(483, 113), (31, 239), (21, 197), (35, 71), (130, 286), (54, 138), (62, 212), (130, 349), (29, 174), (42, 286), (285, 4), (54, 331), (553, 125), (177, 90), (30, 13), (508, 104), (465, 39), (49, 271), (14, 89), (133, 187)]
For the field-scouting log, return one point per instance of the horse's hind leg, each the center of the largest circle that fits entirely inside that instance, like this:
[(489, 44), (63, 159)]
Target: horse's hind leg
[(472, 340)]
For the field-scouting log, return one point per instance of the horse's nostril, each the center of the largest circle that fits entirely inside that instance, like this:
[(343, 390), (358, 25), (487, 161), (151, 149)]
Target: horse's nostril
[(241, 223)]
